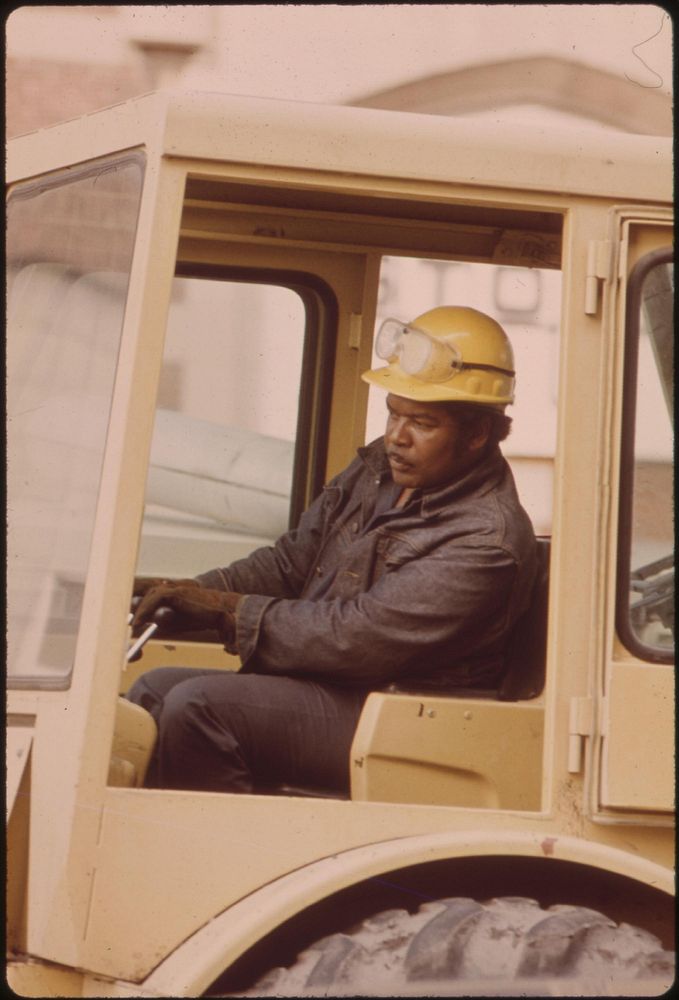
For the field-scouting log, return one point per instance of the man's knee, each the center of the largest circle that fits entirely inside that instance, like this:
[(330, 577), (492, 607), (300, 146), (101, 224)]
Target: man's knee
[(198, 709), (180, 708), (199, 749), (153, 687), (149, 690)]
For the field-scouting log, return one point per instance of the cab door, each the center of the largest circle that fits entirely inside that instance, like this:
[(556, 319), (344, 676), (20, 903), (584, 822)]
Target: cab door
[(259, 398), (636, 718)]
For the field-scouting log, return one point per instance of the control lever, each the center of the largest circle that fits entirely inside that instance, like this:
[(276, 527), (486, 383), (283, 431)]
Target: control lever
[(162, 616)]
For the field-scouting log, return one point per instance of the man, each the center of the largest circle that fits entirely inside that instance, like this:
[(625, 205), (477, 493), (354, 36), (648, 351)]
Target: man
[(410, 569)]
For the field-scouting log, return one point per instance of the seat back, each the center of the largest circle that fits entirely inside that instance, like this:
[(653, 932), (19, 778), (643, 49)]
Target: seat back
[(526, 650), (524, 675)]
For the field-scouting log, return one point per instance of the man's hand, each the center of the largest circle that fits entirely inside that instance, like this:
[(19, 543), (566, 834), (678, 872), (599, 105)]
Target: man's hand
[(196, 608), (142, 584)]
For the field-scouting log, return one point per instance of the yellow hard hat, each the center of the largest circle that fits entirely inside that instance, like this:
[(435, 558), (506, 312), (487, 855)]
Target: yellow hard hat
[(450, 353)]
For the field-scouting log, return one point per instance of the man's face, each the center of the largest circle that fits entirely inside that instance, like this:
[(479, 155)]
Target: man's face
[(424, 444)]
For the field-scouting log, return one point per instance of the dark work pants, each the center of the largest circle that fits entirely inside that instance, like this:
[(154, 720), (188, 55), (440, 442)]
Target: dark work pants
[(224, 731)]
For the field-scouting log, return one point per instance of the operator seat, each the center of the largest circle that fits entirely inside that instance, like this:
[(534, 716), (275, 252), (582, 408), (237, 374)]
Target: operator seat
[(524, 676)]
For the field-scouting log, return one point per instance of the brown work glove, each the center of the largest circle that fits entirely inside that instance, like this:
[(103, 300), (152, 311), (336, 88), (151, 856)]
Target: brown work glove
[(142, 584), (195, 608)]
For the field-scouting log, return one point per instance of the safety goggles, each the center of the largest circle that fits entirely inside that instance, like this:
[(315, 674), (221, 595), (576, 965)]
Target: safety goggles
[(421, 355)]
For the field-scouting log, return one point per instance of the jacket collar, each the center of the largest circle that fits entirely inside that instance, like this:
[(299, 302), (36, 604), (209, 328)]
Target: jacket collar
[(477, 481)]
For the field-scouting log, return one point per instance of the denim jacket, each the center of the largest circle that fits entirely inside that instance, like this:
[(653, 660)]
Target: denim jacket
[(363, 593)]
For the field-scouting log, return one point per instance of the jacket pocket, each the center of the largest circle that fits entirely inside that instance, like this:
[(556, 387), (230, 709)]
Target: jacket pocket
[(393, 551), (356, 568)]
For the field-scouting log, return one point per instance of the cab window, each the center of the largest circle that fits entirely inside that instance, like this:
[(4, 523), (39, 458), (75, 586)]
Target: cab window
[(645, 593), (527, 303), (230, 460), (70, 238)]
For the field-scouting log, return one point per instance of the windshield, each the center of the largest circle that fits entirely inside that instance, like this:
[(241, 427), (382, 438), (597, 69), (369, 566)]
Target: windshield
[(70, 238)]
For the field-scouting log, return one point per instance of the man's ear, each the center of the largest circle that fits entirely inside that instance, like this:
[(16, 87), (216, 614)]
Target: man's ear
[(479, 438)]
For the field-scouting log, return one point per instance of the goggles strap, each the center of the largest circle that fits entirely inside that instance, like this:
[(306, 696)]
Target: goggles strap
[(485, 368)]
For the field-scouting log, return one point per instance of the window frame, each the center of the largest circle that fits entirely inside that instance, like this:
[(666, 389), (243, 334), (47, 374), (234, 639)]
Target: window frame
[(316, 376), (22, 190), (632, 333)]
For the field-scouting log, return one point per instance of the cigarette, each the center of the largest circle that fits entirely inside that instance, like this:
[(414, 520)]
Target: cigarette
[(136, 646)]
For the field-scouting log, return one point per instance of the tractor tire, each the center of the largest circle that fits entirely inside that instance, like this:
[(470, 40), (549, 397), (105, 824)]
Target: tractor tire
[(454, 941)]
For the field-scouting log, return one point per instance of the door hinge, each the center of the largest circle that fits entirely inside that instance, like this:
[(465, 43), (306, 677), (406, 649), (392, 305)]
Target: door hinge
[(579, 726), (599, 268)]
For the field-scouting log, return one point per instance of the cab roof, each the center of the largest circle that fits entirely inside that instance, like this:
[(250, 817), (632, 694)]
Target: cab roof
[(355, 142)]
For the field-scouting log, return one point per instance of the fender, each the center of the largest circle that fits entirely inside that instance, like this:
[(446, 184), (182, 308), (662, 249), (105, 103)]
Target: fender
[(192, 967)]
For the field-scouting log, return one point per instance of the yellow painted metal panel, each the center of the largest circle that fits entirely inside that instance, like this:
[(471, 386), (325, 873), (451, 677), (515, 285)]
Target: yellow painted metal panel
[(633, 761), (168, 862), (638, 719), (358, 141), (33, 979), (197, 961), (448, 751)]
